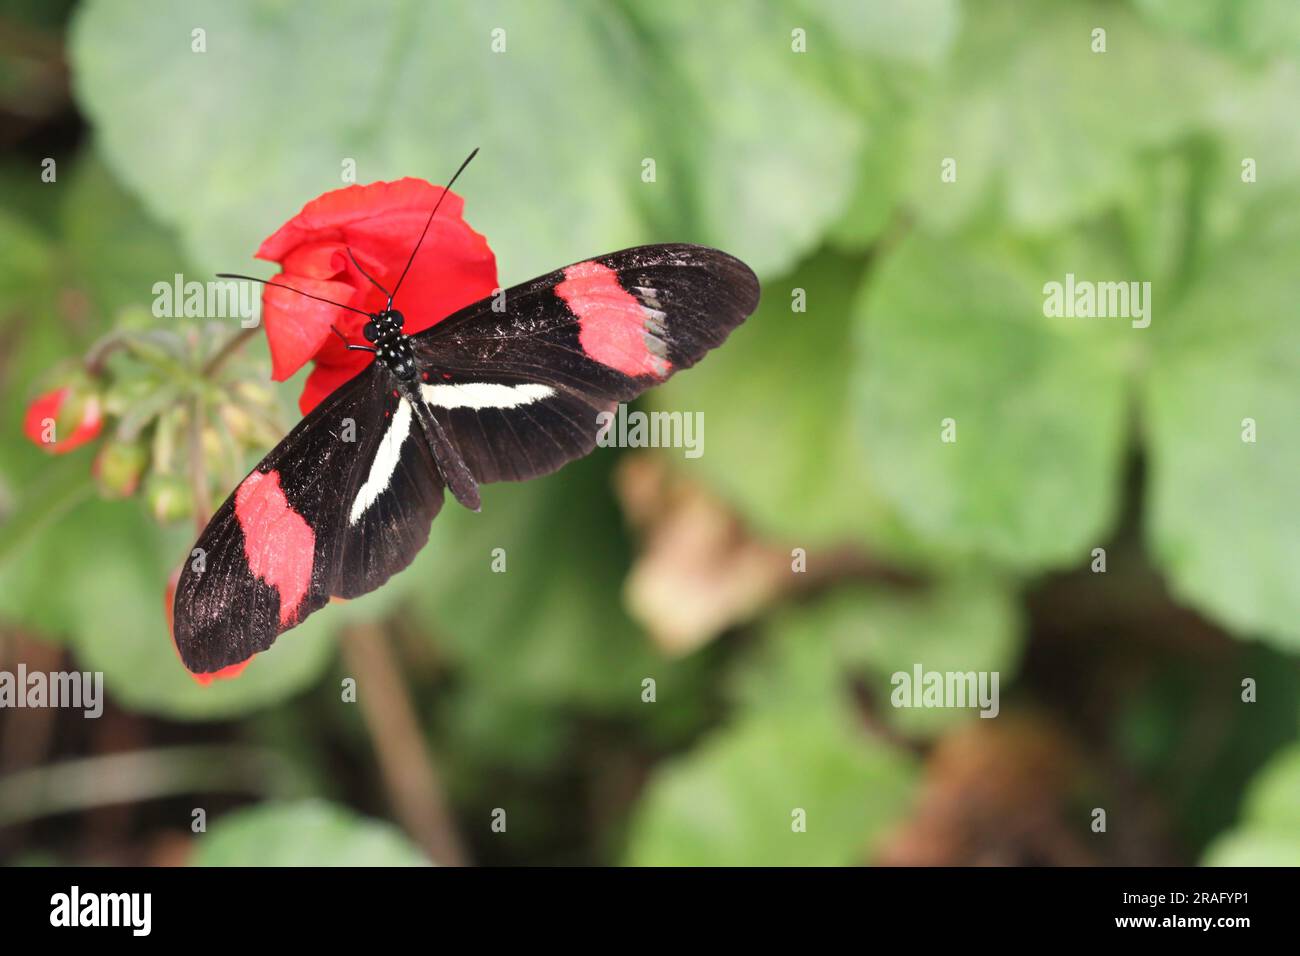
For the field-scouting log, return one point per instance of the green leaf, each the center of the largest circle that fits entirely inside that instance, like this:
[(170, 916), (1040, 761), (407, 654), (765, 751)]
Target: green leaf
[(1269, 831), (960, 624), (27, 263), (1256, 846), (304, 833), (1043, 129), (919, 32), (735, 799), (810, 654), (551, 627), (765, 198), (398, 104), (482, 728), (870, 207), (1230, 353), (1251, 28), (25, 557), (114, 250), (1245, 116), (777, 444), (956, 331), (796, 742)]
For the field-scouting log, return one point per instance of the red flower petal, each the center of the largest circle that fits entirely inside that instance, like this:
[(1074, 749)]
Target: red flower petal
[(43, 407), (329, 375), (296, 326), (328, 215), (380, 224)]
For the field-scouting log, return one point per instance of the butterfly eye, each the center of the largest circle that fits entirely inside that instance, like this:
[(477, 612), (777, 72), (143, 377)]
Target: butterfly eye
[(370, 332)]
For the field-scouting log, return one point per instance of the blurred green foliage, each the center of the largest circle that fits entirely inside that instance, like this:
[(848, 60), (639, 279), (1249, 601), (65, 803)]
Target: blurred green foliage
[(305, 833), (1269, 832), (822, 169)]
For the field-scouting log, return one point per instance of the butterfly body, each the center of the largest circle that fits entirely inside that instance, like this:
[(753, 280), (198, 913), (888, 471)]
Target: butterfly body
[(453, 470), (392, 347), (507, 389), (393, 351)]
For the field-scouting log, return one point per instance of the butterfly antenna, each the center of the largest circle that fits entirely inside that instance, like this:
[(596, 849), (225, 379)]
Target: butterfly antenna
[(278, 285), (445, 190), (372, 279)]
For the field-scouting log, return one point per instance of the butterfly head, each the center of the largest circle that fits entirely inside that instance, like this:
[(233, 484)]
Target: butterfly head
[(392, 348), (384, 327)]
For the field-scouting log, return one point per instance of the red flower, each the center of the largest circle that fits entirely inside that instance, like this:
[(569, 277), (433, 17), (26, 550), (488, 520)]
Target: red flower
[(380, 223), (50, 416)]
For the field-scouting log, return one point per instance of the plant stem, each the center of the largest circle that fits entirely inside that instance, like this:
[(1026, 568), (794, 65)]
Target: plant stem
[(198, 473), (101, 350), (228, 349), (410, 774), (84, 782)]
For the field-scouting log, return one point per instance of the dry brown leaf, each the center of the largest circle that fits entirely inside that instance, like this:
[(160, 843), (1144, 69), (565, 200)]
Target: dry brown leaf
[(699, 572)]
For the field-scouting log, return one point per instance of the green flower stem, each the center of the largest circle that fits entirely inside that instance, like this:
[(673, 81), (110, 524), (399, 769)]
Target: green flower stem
[(231, 346), (198, 472)]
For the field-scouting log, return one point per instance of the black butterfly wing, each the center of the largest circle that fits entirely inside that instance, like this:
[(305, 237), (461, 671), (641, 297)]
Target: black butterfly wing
[(519, 380), (340, 505), (512, 384)]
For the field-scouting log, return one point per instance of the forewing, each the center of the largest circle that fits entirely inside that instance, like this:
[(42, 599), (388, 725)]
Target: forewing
[(520, 379)]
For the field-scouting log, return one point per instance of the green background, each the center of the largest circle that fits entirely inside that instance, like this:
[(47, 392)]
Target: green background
[(807, 138)]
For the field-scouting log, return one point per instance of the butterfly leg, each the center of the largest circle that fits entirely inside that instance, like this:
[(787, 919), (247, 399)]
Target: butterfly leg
[(348, 345), (451, 464)]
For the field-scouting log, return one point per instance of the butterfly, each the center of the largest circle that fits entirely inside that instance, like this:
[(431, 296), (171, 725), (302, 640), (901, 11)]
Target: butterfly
[(506, 389)]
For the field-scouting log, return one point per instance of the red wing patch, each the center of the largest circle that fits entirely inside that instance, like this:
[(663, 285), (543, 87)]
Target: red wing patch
[(279, 545), (226, 673), (615, 329)]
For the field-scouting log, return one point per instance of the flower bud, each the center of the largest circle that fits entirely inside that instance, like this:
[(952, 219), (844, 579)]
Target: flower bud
[(213, 446), (254, 393), (249, 431), (168, 496), (119, 466), (170, 439), (66, 417)]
